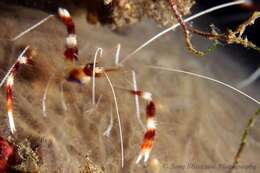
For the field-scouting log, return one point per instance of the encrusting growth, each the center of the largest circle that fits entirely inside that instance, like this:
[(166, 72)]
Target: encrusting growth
[(185, 27), (244, 139), (231, 37), (235, 37)]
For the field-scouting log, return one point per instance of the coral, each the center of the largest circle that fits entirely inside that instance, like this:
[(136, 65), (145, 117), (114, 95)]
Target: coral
[(128, 12), (116, 13)]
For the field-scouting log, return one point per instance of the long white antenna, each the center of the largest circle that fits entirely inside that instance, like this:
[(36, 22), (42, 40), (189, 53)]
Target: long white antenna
[(32, 27), (118, 118), (203, 77)]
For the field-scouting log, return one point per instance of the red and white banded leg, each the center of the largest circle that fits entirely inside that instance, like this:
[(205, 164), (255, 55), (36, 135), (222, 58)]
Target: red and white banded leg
[(24, 59), (71, 52), (149, 135)]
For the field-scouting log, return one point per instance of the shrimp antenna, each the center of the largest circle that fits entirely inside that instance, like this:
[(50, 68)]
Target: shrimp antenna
[(118, 118), (137, 105), (203, 77), (32, 27)]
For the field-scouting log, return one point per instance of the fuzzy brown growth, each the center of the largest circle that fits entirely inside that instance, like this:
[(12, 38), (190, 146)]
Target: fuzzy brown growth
[(116, 13), (161, 11), (89, 166), (128, 12)]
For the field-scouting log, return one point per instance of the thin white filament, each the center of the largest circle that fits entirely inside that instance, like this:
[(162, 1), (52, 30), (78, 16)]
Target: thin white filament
[(117, 54), (252, 78), (204, 77), (99, 100), (99, 52), (10, 70), (63, 103), (137, 105), (186, 20), (32, 27), (45, 97), (110, 126), (118, 118)]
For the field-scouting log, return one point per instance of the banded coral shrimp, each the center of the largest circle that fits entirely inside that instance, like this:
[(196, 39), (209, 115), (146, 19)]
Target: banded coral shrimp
[(184, 111)]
